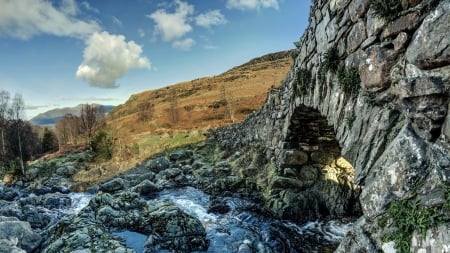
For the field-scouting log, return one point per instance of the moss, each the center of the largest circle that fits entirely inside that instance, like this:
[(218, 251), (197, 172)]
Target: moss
[(387, 10)]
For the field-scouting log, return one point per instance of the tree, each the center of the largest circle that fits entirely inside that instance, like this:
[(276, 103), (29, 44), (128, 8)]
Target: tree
[(146, 111), (49, 141), (15, 113), (68, 129), (91, 120), (4, 102)]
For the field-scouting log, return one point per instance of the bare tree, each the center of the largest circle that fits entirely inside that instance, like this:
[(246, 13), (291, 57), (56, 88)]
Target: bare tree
[(4, 103), (68, 129), (91, 119), (146, 111), (16, 113)]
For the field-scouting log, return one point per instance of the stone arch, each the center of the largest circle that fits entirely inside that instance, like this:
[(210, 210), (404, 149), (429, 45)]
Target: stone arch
[(313, 179)]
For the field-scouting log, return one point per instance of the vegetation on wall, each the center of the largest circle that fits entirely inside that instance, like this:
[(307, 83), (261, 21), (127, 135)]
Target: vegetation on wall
[(304, 78), (408, 216), (349, 79), (331, 60), (387, 10)]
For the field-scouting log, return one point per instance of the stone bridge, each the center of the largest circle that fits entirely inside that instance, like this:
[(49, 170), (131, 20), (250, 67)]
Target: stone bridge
[(374, 92)]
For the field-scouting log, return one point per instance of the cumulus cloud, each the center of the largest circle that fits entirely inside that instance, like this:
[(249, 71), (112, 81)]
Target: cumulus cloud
[(108, 57), (27, 18), (185, 44), (210, 18), (252, 4), (174, 25)]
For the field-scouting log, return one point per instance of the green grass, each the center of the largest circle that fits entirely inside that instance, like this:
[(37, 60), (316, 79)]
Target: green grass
[(157, 144)]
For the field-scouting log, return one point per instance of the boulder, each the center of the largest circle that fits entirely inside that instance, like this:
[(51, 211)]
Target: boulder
[(113, 185), (19, 233), (158, 164), (181, 154)]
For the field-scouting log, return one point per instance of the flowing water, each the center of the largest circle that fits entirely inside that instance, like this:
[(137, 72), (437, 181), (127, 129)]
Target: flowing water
[(242, 230), (239, 228)]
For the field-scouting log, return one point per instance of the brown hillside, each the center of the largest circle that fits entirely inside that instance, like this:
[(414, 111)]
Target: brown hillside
[(202, 103)]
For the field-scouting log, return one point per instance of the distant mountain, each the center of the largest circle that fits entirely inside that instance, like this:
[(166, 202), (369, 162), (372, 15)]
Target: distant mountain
[(51, 117)]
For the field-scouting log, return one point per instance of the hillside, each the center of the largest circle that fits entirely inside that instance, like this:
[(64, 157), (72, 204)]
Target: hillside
[(199, 104)]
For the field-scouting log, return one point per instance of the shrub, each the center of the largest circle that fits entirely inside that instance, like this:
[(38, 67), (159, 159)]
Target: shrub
[(387, 10), (103, 146)]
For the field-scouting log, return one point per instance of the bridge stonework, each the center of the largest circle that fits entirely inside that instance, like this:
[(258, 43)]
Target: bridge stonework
[(375, 92)]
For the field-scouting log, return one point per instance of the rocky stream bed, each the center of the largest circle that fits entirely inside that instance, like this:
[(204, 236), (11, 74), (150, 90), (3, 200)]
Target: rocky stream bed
[(191, 200)]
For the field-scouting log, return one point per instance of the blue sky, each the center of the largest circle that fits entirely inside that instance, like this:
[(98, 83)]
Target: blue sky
[(66, 52)]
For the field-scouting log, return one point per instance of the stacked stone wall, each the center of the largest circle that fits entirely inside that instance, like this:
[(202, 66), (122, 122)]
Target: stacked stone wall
[(391, 123)]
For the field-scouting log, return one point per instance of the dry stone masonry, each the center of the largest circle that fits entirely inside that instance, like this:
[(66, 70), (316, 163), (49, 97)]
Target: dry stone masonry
[(374, 89)]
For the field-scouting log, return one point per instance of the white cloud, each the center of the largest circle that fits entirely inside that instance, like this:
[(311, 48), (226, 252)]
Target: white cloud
[(89, 7), (26, 18), (210, 18), (174, 25), (108, 57), (117, 21), (185, 44), (252, 4), (141, 32), (69, 7)]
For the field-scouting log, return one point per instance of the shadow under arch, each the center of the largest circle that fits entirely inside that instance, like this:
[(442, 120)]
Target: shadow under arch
[(313, 180)]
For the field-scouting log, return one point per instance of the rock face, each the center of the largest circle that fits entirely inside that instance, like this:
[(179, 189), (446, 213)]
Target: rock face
[(384, 108)]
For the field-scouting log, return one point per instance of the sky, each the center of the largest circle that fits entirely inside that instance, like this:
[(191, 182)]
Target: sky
[(61, 53)]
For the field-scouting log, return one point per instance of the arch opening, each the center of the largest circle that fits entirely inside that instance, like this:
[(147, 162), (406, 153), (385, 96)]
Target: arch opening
[(313, 180)]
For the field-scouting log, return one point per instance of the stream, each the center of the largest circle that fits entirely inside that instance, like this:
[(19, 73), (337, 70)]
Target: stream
[(239, 229), (237, 225)]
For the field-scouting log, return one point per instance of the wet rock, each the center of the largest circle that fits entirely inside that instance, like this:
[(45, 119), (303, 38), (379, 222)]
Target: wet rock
[(19, 233), (218, 206), (158, 164), (175, 230), (113, 185), (8, 193), (146, 188), (180, 155)]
